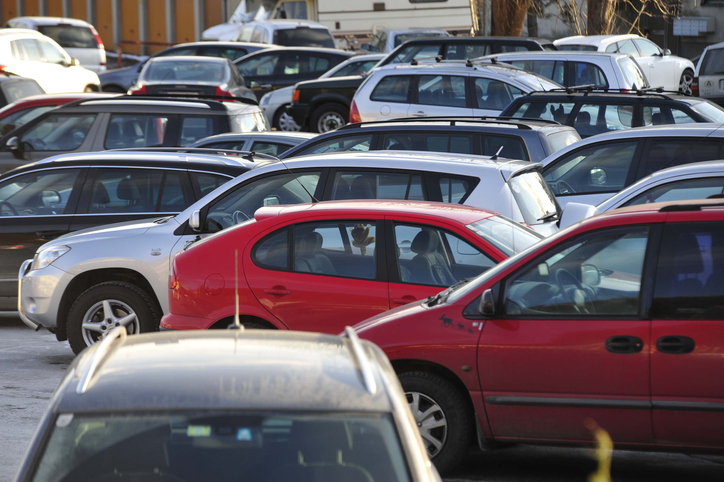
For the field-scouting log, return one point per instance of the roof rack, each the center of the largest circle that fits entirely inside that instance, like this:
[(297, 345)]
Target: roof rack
[(506, 120), (592, 89), (102, 351), (224, 98), (358, 352), (248, 155)]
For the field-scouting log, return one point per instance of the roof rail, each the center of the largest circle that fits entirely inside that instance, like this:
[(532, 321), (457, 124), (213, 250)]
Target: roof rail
[(672, 208), (592, 89), (224, 98), (248, 155), (102, 351), (358, 352), (507, 120)]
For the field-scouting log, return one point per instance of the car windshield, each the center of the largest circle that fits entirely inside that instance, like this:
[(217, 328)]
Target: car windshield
[(713, 62), (506, 235), (712, 112), (535, 199), (69, 36), (304, 37), (404, 37), (197, 71), (204, 446), (19, 89)]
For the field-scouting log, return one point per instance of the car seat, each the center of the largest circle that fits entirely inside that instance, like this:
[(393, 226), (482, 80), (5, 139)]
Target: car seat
[(308, 256), (132, 133), (688, 265), (498, 96), (429, 266), (114, 138), (658, 119), (100, 198), (341, 190), (128, 191), (361, 188)]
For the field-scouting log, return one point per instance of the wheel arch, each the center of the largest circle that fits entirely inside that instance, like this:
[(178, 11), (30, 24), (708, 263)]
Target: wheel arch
[(223, 323), (328, 99)]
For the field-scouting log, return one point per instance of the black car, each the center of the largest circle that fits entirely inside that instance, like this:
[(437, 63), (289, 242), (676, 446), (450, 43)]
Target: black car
[(322, 105), (126, 122), (49, 198), (462, 48), (596, 112), (275, 68), (120, 80), (202, 76), (13, 87), (513, 139)]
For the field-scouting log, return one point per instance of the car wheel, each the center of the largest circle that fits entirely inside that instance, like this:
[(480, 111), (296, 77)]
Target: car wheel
[(687, 78), (90, 88), (329, 117), (105, 306), (442, 415), (284, 122)]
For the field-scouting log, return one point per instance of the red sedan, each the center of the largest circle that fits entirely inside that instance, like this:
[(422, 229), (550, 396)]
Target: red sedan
[(320, 267), (617, 319)]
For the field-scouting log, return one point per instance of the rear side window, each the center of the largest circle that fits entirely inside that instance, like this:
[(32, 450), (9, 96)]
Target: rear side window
[(70, 37), (195, 128), (466, 51), (304, 37), (507, 146), (594, 119), (513, 48), (585, 73), (377, 185), (429, 141), (584, 48), (550, 69), (295, 64), (271, 148), (702, 188), (393, 88), (454, 190), (441, 90), (661, 115), (665, 153), (204, 182), (127, 130), (351, 143), (494, 95), (647, 48), (273, 251), (713, 62), (556, 111), (224, 52)]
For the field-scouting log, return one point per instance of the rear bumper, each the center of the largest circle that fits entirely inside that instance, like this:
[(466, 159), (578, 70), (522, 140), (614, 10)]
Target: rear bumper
[(172, 321)]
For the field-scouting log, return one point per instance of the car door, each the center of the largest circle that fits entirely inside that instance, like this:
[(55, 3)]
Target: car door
[(35, 207), (686, 333), (259, 71), (334, 274), (440, 95), (662, 68), (570, 342)]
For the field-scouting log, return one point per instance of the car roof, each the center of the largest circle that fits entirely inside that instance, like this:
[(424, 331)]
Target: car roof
[(300, 49), (226, 369), (189, 58), (138, 103), (555, 53), (221, 43), (272, 135), (571, 93), (664, 207), (20, 32), (592, 39), (54, 21)]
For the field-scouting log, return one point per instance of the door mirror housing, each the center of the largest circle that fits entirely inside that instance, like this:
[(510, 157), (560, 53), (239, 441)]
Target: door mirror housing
[(195, 220), (74, 63), (666, 52), (13, 143), (487, 303), (590, 275), (597, 177), (50, 198)]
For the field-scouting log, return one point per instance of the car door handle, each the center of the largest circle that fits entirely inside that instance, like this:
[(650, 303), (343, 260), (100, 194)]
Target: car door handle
[(675, 345), (50, 234), (404, 300), (624, 345), (278, 291), (419, 113)]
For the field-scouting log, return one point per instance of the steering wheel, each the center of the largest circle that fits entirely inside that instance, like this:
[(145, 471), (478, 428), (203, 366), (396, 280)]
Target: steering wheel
[(237, 217), (564, 188), (579, 297), (5, 207)]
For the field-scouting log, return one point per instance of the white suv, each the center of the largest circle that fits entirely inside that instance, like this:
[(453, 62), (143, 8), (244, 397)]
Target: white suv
[(137, 255), (446, 88), (31, 54)]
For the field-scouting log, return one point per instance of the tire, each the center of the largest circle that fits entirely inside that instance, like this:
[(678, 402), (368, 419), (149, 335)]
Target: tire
[(123, 299), (687, 77), (90, 88), (456, 435), (284, 122), (329, 117)]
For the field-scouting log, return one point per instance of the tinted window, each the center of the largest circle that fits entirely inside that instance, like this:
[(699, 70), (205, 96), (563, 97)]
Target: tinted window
[(19, 89), (665, 153), (713, 62), (377, 185), (271, 148), (550, 69), (179, 51), (588, 74), (337, 248), (628, 47), (703, 188), (304, 37), (195, 128), (690, 273), (205, 182), (586, 48), (419, 52), (454, 190), (273, 250), (295, 64), (224, 52), (37, 194), (136, 191), (661, 115), (557, 111), (185, 70), (506, 146), (355, 68), (259, 65), (441, 90), (16, 119), (350, 143), (130, 130), (710, 112), (172, 194), (494, 95), (402, 38), (393, 88), (459, 51), (599, 274), (513, 48), (69, 36), (594, 119), (647, 48), (58, 133), (429, 141), (559, 140)]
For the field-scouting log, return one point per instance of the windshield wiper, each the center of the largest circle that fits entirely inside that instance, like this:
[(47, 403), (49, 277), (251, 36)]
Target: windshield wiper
[(442, 296), (164, 220), (191, 242), (549, 216)]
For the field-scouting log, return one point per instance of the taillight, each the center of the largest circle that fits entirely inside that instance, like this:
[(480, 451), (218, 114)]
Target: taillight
[(354, 114), (172, 278), (219, 92), (295, 95), (2, 68), (695, 86), (99, 41), (137, 90)]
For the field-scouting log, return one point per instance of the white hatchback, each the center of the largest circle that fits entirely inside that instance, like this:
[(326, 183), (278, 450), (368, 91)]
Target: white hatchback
[(31, 54)]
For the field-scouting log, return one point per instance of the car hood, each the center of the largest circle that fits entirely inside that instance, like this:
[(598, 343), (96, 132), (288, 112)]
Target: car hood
[(128, 229), (332, 82), (109, 75), (387, 317)]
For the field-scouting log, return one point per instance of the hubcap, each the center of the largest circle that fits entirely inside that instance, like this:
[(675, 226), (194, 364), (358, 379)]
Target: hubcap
[(329, 122), (430, 420), (105, 315), (686, 81), (287, 124)]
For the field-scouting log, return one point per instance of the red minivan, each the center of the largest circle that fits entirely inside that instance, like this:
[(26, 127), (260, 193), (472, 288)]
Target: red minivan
[(323, 266), (618, 319)]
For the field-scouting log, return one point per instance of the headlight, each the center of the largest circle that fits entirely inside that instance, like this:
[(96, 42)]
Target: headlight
[(48, 255)]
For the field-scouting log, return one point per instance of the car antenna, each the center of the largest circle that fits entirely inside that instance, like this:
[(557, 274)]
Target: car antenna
[(314, 199), (495, 156), (237, 323)]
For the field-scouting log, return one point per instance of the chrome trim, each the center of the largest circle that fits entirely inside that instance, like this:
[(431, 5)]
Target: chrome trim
[(24, 268), (568, 402), (102, 350), (358, 353)]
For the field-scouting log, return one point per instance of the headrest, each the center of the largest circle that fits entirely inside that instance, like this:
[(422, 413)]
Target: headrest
[(128, 191), (361, 188), (688, 254), (583, 118), (425, 242), (321, 441), (309, 245), (100, 194)]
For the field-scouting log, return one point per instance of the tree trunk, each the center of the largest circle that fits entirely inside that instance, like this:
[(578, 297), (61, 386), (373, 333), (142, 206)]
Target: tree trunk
[(600, 16), (509, 16)]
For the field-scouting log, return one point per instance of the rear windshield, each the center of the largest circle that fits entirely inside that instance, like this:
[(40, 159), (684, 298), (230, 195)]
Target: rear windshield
[(635, 78), (185, 70), (304, 37), (19, 89), (506, 235), (559, 140), (713, 62), (535, 199), (712, 112), (585, 48), (70, 37)]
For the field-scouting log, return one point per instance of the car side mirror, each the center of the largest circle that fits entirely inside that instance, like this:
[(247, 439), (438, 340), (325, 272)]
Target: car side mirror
[(74, 63), (195, 220), (666, 52), (590, 275), (487, 304), (13, 143), (597, 177), (254, 84)]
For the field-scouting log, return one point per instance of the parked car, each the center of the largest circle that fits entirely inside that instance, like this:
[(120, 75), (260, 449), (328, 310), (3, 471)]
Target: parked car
[(625, 307), (388, 39), (50, 198), (519, 139), (442, 89), (709, 74), (323, 266), (274, 69), (203, 76), (593, 113), (125, 122), (120, 80), (31, 54), (660, 67), (80, 39), (138, 255), (575, 68), (13, 88), (462, 48), (174, 406), (275, 102), (287, 33), (596, 168), (271, 143), (699, 180)]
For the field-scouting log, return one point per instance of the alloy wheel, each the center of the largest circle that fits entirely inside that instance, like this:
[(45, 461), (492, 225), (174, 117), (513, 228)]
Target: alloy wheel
[(685, 84), (286, 123), (105, 315)]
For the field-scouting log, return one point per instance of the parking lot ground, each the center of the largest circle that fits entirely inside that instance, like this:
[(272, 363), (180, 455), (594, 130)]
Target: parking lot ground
[(32, 364)]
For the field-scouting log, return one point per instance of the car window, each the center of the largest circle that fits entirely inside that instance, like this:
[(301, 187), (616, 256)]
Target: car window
[(460, 51), (684, 190), (713, 62), (550, 69), (178, 52), (556, 111), (453, 189), (376, 185), (195, 128), (585, 73), (51, 53), (246, 33), (271, 148), (43, 193), (241, 203), (593, 119), (494, 95), (272, 251), (355, 68), (419, 52), (631, 71), (584, 48), (661, 115), (664, 153), (32, 50), (709, 111), (16, 119), (70, 36), (506, 146), (176, 70), (628, 47), (404, 37), (304, 37), (598, 274), (429, 141), (600, 168), (235, 145), (690, 273), (507, 236), (559, 140), (427, 255), (393, 88), (230, 53), (444, 90), (611, 48), (259, 65), (205, 182), (360, 143), (58, 133), (137, 191), (513, 48), (534, 198), (18, 89), (302, 63), (131, 130), (647, 48)]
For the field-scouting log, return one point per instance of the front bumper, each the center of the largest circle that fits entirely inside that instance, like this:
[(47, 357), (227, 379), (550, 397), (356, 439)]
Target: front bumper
[(39, 294)]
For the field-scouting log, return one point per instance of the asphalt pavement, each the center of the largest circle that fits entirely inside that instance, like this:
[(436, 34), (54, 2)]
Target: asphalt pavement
[(32, 364)]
